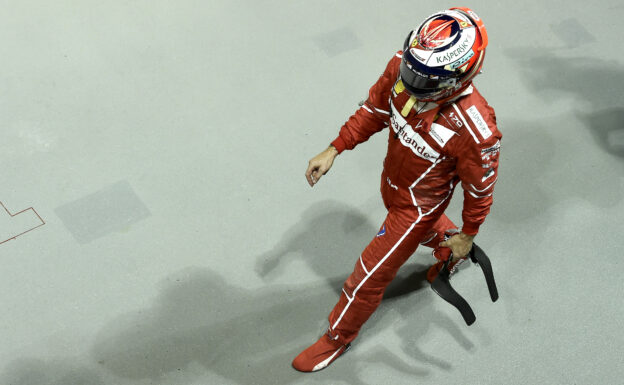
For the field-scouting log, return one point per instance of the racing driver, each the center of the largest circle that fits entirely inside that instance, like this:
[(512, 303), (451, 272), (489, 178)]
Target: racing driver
[(441, 132)]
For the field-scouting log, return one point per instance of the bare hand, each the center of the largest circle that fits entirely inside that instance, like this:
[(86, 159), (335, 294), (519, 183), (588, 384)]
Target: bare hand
[(460, 244), (320, 164)]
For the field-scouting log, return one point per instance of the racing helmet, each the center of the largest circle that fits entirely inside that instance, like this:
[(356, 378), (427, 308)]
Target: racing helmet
[(443, 55)]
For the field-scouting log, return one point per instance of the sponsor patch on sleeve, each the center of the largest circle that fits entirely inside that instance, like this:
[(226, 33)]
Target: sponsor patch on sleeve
[(479, 122), (493, 150)]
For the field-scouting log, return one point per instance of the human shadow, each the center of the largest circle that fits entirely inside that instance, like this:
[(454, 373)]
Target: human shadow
[(198, 317), (248, 336)]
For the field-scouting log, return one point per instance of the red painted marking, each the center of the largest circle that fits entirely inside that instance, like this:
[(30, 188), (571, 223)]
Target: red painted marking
[(13, 215)]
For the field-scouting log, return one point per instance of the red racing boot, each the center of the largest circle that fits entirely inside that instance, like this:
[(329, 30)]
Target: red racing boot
[(319, 355)]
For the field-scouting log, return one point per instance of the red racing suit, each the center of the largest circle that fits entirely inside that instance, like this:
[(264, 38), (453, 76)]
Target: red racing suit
[(431, 148)]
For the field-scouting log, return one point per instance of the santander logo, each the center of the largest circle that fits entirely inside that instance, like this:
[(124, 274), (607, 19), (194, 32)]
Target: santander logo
[(410, 138)]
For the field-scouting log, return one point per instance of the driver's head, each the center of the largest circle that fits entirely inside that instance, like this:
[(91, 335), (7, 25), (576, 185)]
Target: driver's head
[(443, 55)]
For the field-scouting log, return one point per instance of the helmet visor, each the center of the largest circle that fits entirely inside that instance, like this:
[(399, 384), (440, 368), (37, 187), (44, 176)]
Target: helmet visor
[(421, 83)]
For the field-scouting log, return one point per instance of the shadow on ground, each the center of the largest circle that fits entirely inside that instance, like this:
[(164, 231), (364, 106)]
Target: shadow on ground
[(251, 336)]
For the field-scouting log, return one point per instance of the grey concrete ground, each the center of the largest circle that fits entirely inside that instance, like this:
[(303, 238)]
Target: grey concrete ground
[(173, 239)]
